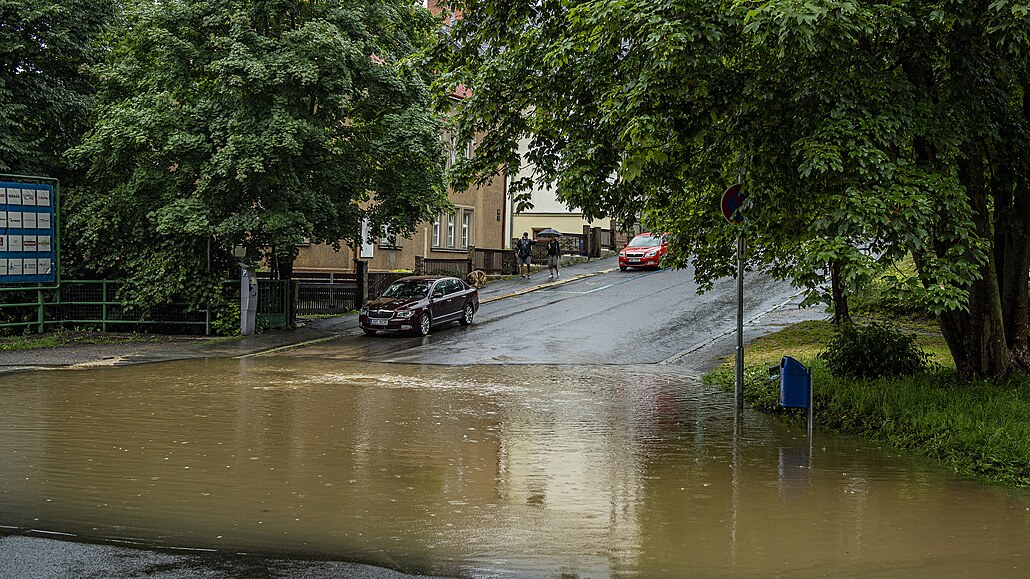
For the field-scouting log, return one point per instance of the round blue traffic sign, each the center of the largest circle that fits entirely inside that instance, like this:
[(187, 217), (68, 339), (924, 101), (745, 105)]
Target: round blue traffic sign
[(732, 201)]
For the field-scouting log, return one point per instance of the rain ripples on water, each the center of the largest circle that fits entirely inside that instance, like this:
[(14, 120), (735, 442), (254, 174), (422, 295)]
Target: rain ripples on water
[(481, 471)]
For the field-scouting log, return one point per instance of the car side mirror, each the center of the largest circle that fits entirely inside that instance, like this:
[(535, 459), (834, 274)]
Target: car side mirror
[(438, 293)]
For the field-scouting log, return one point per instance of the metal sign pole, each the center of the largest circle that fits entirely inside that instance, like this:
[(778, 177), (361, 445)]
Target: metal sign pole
[(739, 382), (811, 405)]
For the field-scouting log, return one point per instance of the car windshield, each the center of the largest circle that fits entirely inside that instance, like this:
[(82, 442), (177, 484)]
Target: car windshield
[(645, 241), (408, 289)]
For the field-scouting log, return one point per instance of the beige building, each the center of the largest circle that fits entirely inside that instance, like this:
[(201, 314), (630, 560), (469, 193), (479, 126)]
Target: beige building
[(547, 211), (478, 220)]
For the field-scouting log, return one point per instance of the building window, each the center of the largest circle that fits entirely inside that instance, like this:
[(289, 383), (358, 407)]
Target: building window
[(384, 240), (446, 232), (466, 227), (456, 149)]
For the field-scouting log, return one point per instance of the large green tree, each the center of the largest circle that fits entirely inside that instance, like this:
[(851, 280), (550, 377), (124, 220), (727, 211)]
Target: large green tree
[(263, 123), (44, 97), (864, 131)]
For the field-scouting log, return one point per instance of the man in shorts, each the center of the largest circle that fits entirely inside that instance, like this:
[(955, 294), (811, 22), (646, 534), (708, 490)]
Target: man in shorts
[(524, 253)]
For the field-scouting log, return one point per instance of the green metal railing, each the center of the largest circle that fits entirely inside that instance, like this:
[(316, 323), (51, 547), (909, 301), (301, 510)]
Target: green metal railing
[(94, 303)]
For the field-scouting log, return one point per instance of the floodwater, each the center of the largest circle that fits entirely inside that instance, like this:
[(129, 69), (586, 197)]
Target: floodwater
[(527, 471)]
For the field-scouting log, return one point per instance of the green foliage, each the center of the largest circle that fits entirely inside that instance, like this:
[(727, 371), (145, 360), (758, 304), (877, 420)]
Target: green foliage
[(873, 351), (44, 99), (864, 132), (257, 123), (227, 320), (888, 294)]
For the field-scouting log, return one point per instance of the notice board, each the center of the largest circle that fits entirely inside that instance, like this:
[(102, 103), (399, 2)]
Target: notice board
[(28, 222)]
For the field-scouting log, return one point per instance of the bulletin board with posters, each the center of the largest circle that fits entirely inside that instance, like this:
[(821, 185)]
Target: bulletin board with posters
[(28, 233)]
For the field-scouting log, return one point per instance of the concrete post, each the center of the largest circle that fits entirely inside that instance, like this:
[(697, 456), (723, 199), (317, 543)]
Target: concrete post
[(361, 271)]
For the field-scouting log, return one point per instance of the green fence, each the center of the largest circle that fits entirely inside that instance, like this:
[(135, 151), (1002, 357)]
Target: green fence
[(94, 304)]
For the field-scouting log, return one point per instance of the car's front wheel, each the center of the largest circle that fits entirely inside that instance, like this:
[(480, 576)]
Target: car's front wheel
[(368, 331), (424, 322), (466, 316), (622, 268)]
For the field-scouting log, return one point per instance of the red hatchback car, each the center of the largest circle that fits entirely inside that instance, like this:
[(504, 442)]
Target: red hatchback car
[(420, 303), (645, 250)]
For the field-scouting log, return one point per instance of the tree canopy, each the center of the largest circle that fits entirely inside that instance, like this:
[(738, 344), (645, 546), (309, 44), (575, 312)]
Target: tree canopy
[(44, 98), (863, 131), (263, 123)]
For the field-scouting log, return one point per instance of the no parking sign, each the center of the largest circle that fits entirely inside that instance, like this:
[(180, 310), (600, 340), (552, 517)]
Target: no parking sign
[(732, 200)]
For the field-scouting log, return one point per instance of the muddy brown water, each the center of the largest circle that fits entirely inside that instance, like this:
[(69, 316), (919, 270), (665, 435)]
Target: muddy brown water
[(486, 471)]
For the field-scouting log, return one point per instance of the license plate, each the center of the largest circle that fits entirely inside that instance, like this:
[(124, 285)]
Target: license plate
[(634, 260), (375, 322)]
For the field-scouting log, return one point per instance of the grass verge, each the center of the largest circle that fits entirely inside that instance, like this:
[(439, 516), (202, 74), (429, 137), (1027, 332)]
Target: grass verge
[(978, 429), (70, 337)]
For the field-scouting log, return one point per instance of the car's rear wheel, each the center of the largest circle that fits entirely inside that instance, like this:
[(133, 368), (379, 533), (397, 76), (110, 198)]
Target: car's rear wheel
[(368, 331), (466, 316), (424, 322)]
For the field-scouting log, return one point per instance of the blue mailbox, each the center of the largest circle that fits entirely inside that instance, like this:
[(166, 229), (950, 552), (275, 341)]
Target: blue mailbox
[(795, 384)]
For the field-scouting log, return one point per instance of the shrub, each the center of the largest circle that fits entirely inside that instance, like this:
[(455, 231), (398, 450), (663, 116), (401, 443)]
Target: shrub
[(227, 320), (873, 351)]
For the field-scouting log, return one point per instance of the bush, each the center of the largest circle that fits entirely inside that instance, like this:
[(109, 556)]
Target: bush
[(227, 320), (873, 351)]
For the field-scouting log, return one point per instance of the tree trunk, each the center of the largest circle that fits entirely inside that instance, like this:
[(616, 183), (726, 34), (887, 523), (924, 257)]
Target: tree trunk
[(1012, 252), (976, 337), (839, 294)]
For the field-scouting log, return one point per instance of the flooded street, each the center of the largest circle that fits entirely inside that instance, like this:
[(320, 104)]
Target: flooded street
[(484, 471)]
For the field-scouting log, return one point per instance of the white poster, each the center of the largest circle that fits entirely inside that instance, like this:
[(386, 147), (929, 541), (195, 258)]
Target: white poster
[(13, 196), (14, 243), (3, 266), (43, 198), (3, 220), (3, 196), (43, 221), (28, 196), (3, 243), (28, 243), (14, 267), (43, 244), (44, 266), (14, 219), (29, 267), (28, 220)]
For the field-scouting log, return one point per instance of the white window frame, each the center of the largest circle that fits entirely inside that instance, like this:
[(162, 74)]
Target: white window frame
[(466, 227), (450, 230), (384, 240)]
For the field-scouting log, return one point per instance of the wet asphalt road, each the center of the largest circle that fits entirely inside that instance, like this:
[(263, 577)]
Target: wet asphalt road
[(597, 315), (615, 317)]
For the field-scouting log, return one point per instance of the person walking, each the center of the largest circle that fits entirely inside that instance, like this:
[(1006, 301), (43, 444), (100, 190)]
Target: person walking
[(524, 254), (553, 253)]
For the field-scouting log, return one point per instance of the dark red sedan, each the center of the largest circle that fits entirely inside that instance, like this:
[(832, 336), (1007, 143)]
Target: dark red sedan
[(420, 303)]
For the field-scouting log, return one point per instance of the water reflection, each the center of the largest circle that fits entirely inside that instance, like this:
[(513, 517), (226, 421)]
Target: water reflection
[(483, 471)]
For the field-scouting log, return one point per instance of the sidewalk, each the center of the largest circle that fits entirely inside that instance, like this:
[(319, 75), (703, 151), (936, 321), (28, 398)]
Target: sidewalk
[(515, 285)]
